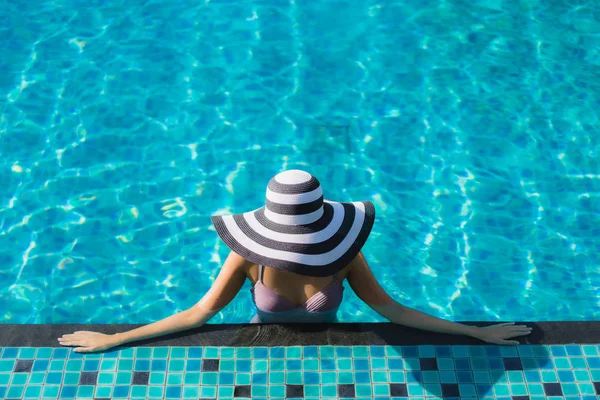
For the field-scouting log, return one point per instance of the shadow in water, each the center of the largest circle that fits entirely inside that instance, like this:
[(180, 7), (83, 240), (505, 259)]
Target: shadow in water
[(473, 370)]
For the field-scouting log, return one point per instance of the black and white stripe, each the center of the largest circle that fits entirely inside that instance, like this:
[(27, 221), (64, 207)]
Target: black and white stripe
[(298, 230)]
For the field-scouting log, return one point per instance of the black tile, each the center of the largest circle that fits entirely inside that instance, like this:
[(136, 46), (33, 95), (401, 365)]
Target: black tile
[(553, 389), (450, 390), (398, 390), (141, 378), (513, 364), (241, 391), (520, 397), (23, 366), (597, 387), (210, 365), (88, 378), (428, 364), (346, 390), (294, 390)]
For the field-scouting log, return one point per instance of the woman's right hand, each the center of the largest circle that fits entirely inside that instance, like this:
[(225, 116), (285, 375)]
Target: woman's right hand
[(87, 341)]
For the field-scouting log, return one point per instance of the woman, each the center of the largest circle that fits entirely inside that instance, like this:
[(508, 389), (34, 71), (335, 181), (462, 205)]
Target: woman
[(297, 250)]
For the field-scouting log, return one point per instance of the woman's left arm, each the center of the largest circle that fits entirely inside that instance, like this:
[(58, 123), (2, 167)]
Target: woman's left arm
[(365, 285)]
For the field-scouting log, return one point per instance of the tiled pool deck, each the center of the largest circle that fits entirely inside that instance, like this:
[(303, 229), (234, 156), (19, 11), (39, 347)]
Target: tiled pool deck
[(261, 362)]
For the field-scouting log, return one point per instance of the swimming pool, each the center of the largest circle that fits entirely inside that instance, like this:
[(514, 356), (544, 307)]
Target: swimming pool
[(473, 129)]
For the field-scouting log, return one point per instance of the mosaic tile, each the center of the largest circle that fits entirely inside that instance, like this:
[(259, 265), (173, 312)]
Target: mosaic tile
[(415, 372)]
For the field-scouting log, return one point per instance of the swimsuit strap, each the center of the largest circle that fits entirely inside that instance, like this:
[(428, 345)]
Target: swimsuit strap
[(260, 273)]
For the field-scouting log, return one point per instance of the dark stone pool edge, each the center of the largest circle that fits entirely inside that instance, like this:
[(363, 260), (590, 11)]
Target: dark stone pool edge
[(37, 335)]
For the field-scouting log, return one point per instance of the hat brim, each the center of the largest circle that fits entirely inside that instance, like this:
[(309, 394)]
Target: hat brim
[(321, 248)]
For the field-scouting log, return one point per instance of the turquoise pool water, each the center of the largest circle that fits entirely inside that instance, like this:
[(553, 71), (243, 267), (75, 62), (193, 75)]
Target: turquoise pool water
[(472, 127)]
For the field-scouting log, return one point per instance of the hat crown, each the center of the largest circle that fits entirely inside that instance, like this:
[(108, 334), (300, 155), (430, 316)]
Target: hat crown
[(294, 197)]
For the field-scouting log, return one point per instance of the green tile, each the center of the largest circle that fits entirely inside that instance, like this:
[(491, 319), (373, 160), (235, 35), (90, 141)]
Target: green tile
[(27, 353), (106, 378), (157, 378), (211, 352), (397, 377), (227, 365), (126, 353), (582, 375), (242, 378), (209, 378), (392, 351), (225, 391), (103, 391), (277, 365), (191, 378), (36, 378), (191, 392), (71, 378), (19, 378), (175, 378), (515, 376), (518, 389), (562, 363), (363, 390), (108, 365), (139, 392), (125, 365), (4, 378), (7, 365), (85, 392), (569, 389), (277, 391), (276, 378), (311, 391), (124, 378), (590, 350), (501, 389), (227, 352), (380, 376), (176, 365), (549, 376), (154, 391), (293, 378), (55, 365), (328, 378), (143, 352), (33, 392), (430, 376), (329, 391), (326, 352), (381, 390), (344, 364), (415, 389), (44, 353), (433, 389), (52, 391), (260, 366), (160, 352), (294, 352), (208, 391), (178, 352), (578, 362), (536, 389), (378, 363), (243, 352), (586, 388), (310, 365), (258, 391), (345, 378)]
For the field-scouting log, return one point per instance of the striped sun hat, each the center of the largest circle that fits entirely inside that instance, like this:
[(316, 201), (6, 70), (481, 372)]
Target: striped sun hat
[(297, 230)]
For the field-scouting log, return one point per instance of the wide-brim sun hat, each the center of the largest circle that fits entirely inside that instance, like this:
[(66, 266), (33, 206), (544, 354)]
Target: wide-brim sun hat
[(297, 230)]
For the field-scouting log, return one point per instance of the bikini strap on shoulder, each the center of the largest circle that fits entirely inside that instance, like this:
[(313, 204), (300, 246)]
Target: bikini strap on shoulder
[(261, 270)]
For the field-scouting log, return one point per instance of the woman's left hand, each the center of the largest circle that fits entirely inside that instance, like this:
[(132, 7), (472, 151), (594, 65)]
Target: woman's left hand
[(87, 341), (499, 333)]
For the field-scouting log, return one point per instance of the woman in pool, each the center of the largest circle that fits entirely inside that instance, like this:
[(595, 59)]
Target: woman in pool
[(297, 250)]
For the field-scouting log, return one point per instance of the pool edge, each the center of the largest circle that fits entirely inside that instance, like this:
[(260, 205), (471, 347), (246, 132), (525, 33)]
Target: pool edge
[(241, 335)]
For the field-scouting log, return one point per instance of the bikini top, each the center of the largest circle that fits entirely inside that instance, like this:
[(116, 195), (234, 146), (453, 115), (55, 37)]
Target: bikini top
[(267, 300)]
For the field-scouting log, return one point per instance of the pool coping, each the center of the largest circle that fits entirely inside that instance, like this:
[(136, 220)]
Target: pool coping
[(254, 335)]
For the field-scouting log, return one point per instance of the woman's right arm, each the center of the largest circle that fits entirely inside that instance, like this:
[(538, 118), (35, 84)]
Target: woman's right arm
[(227, 285)]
